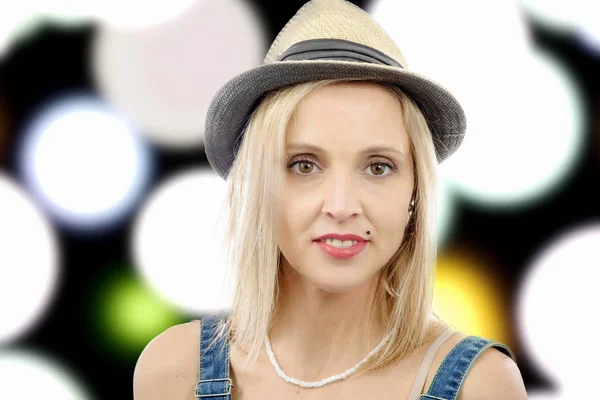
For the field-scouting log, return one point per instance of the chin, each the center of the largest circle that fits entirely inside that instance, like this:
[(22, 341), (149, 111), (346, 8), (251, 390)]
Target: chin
[(332, 280), (336, 288)]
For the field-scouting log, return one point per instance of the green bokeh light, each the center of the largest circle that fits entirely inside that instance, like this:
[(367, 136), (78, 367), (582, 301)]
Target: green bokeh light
[(129, 314)]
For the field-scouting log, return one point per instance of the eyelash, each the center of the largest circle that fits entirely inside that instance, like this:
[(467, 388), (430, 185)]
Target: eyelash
[(389, 165)]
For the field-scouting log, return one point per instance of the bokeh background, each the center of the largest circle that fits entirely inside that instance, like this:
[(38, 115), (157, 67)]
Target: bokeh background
[(110, 213)]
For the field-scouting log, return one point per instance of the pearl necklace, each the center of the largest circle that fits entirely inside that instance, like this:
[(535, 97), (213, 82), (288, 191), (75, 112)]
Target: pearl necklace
[(325, 381)]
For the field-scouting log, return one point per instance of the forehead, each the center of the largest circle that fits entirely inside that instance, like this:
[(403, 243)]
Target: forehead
[(349, 116)]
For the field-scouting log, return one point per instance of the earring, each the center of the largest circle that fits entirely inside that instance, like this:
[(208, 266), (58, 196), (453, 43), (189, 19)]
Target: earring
[(411, 207)]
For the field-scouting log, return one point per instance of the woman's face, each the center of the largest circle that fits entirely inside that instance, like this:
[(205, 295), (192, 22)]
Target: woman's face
[(342, 187)]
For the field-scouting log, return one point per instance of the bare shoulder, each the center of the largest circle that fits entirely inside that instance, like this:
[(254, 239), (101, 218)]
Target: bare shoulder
[(493, 376), (168, 366)]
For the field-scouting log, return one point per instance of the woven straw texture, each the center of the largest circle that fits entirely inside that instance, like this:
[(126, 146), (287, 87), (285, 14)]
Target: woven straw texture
[(339, 19)]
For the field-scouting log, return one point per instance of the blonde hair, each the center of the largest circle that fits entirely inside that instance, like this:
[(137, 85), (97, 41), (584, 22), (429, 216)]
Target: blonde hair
[(405, 288)]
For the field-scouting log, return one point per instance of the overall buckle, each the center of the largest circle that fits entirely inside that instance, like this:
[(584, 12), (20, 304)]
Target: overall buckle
[(198, 395)]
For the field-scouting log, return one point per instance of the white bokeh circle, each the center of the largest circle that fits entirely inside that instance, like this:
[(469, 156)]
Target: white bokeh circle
[(524, 113), (130, 14), (164, 77), (543, 396), (177, 242), (11, 19), (558, 298), (463, 44), (524, 138), (29, 262), (83, 162), (575, 393), (142, 14), (23, 372)]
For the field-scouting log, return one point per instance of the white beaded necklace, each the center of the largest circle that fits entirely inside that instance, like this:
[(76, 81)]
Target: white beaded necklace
[(325, 381)]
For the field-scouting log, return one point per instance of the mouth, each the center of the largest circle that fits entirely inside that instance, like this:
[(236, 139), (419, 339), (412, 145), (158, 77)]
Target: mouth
[(345, 250), (339, 243)]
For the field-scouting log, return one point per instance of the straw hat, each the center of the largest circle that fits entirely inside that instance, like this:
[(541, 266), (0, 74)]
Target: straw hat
[(327, 39)]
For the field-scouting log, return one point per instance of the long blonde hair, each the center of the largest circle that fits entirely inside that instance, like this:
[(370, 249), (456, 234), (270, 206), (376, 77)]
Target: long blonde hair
[(254, 185)]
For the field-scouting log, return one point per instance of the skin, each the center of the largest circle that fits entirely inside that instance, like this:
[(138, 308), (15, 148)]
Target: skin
[(326, 325)]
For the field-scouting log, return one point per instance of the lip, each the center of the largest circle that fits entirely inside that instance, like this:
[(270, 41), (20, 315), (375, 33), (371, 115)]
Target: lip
[(342, 253), (342, 237)]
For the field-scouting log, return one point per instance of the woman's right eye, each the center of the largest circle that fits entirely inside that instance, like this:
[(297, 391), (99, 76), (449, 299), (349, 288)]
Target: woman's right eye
[(304, 166)]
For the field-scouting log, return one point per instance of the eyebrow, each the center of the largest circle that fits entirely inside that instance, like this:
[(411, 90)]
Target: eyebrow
[(368, 150)]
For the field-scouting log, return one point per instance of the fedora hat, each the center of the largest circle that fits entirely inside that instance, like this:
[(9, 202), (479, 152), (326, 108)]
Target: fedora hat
[(327, 39)]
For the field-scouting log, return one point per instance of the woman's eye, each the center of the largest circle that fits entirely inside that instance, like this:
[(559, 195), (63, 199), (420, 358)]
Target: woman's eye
[(305, 167), (381, 167)]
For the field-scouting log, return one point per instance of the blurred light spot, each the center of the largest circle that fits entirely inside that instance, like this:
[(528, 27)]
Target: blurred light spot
[(589, 37), (576, 393), (513, 101), (84, 163), (128, 14), (29, 259), (164, 78), (442, 46), (129, 314), (177, 242), (468, 298), (134, 14), (557, 308), (526, 136), (10, 19), (69, 12), (27, 372)]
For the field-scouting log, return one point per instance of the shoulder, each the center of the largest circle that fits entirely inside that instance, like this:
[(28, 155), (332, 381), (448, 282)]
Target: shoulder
[(493, 376), (168, 365)]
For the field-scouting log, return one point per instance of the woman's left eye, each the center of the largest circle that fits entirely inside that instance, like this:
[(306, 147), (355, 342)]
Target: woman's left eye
[(385, 164)]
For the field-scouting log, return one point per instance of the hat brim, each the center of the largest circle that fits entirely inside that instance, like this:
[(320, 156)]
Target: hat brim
[(231, 105)]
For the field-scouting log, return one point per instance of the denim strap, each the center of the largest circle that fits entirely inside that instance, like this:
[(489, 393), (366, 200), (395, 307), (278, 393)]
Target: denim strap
[(213, 376), (452, 371)]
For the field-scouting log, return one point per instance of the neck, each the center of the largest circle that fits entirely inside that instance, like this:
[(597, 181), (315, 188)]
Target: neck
[(317, 334)]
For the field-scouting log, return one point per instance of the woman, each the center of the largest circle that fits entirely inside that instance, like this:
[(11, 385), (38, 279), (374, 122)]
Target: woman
[(332, 195)]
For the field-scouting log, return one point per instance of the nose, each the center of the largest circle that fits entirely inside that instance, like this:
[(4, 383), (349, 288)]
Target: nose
[(341, 200)]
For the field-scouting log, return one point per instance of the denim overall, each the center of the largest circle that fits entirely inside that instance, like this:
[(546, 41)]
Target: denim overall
[(214, 382)]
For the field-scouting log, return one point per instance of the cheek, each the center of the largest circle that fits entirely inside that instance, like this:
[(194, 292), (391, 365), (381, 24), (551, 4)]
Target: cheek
[(298, 202), (292, 218), (390, 222), (295, 215)]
